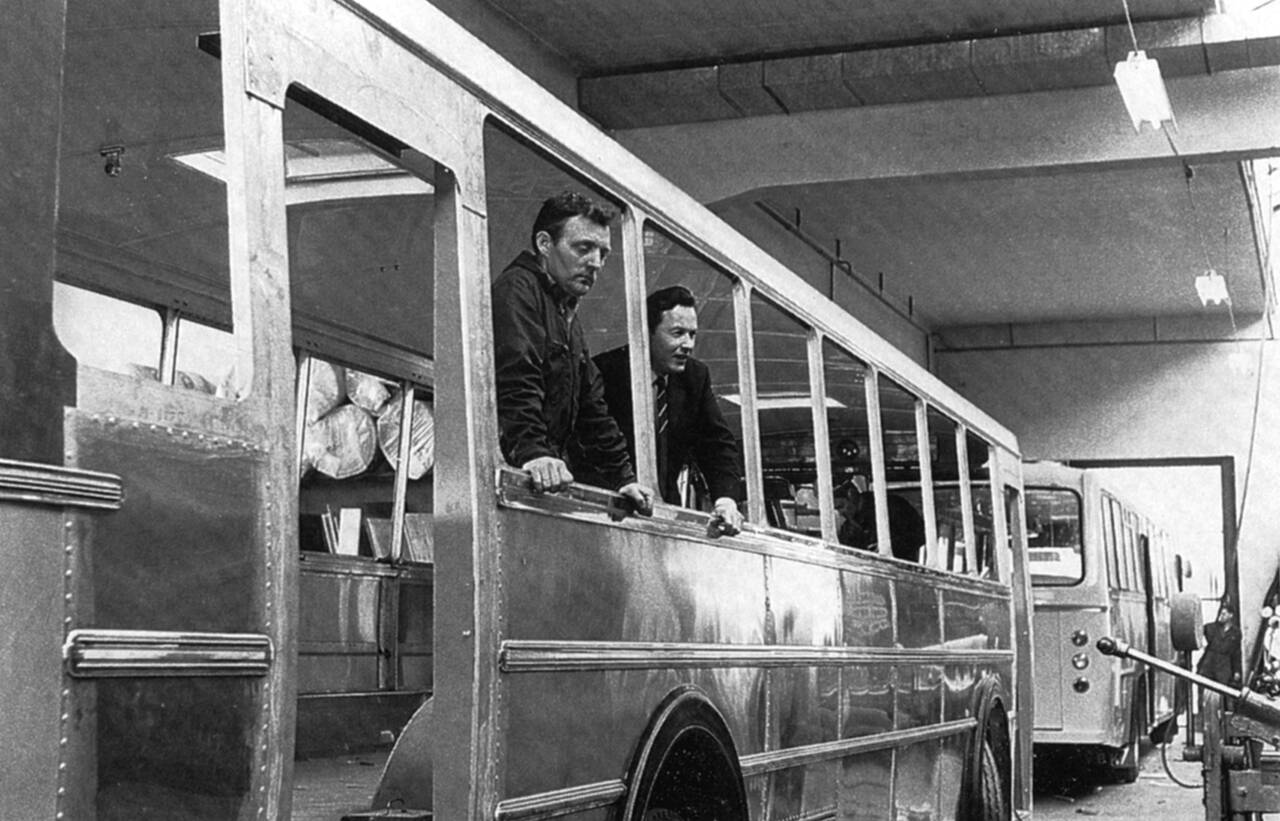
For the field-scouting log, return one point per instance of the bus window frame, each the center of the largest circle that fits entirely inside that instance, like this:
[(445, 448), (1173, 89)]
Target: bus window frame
[(760, 301), (1085, 563), (997, 508), (822, 436), (966, 500), (928, 507), (1108, 536), (1131, 547), (638, 335)]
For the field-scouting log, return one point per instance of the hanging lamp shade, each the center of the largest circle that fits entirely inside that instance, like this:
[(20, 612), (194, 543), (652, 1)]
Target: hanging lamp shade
[(1143, 90)]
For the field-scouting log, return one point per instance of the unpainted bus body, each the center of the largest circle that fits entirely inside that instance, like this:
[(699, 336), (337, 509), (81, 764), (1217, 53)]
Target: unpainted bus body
[(800, 648), (161, 651), (1109, 702)]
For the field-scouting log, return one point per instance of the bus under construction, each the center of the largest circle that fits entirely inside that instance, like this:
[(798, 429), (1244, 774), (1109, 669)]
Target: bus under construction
[(253, 508), (1099, 568)]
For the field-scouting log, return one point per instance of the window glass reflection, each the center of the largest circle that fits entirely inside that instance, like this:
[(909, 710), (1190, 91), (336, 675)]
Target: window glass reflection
[(848, 428), (902, 455), (948, 510), (982, 501), (785, 410)]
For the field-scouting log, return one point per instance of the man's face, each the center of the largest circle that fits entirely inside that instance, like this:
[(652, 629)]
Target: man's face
[(671, 343), (574, 260)]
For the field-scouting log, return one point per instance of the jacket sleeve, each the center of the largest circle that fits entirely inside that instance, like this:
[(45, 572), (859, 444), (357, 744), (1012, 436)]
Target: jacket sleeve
[(604, 447), (519, 339), (715, 448)]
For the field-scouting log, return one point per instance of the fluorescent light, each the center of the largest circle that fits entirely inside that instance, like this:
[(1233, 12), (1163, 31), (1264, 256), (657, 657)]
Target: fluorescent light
[(322, 170), (1211, 286), (1143, 91), (781, 400)]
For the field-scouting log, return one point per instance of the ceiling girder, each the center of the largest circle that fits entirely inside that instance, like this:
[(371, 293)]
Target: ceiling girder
[(1078, 58), (1222, 117)]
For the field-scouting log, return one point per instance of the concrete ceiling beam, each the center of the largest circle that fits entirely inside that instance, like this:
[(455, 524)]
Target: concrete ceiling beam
[(1224, 116), (1016, 64)]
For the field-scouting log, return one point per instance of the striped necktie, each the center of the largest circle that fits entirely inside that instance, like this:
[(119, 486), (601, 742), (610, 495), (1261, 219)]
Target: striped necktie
[(660, 421), (660, 406)]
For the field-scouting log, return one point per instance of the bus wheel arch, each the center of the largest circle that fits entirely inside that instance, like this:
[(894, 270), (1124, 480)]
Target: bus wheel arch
[(987, 789), (686, 764), (1126, 763)]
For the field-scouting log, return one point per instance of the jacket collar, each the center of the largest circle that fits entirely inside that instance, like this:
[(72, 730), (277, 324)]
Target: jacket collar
[(529, 261)]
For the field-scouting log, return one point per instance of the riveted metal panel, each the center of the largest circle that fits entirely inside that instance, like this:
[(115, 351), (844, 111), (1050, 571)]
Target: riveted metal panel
[(183, 554)]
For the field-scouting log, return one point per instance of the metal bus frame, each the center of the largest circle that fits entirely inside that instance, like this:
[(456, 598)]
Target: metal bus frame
[(408, 71), (1107, 705)]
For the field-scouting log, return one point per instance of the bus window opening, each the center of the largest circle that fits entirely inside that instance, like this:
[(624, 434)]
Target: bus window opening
[(1053, 536)]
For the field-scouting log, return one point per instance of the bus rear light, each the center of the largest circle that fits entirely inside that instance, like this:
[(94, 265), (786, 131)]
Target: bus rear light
[(1080, 661), (1080, 685), (1079, 638)]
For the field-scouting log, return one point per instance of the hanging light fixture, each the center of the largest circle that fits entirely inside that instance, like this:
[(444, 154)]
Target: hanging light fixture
[(1141, 85), (1211, 287), (1142, 89)]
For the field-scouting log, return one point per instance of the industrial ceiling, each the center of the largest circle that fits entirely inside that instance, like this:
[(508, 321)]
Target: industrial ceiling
[(971, 159)]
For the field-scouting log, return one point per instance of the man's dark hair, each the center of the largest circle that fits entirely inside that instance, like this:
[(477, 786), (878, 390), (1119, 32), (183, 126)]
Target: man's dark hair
[(663, 300), (561, 208)]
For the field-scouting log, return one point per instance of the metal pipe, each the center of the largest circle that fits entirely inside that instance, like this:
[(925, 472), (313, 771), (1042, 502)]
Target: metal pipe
[(1116, 647)]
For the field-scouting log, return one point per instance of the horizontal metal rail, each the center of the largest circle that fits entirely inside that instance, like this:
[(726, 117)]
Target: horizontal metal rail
[(584, 797), (153, 653), (524, 656), (56, 485), (774, 760), (562, 802)]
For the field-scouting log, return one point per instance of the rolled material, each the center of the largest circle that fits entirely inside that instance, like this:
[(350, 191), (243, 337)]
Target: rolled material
[(340, 444), (422, 436)]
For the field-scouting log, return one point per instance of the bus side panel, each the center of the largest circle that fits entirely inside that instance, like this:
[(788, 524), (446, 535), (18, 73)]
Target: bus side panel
[(1050, 670), (868, 610), (918, 787), (584, 582), (976, 620), (183, 554), (1088, 713), (919, 613), (31, 595), (805, 600), (865, 791)]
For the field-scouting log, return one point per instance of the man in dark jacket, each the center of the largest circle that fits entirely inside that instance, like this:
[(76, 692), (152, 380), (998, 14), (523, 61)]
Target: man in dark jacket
[(550, 400), (695, 431), (1221, 656)]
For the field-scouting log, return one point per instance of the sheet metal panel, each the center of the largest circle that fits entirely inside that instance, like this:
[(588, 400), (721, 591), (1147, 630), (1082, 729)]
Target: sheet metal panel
[(1049, 641), (797, 649), (182, 554)]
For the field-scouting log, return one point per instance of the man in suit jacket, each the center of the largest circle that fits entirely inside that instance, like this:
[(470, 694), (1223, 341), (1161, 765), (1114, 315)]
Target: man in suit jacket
[(696, 433)]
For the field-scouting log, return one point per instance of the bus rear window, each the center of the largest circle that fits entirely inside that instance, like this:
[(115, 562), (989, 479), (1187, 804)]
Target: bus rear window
[(1053, 536)]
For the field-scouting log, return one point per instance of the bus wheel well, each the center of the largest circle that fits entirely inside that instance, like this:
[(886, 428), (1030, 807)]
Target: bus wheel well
[(985, 794), (1126, 762), (996, 733), (686, 765)]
